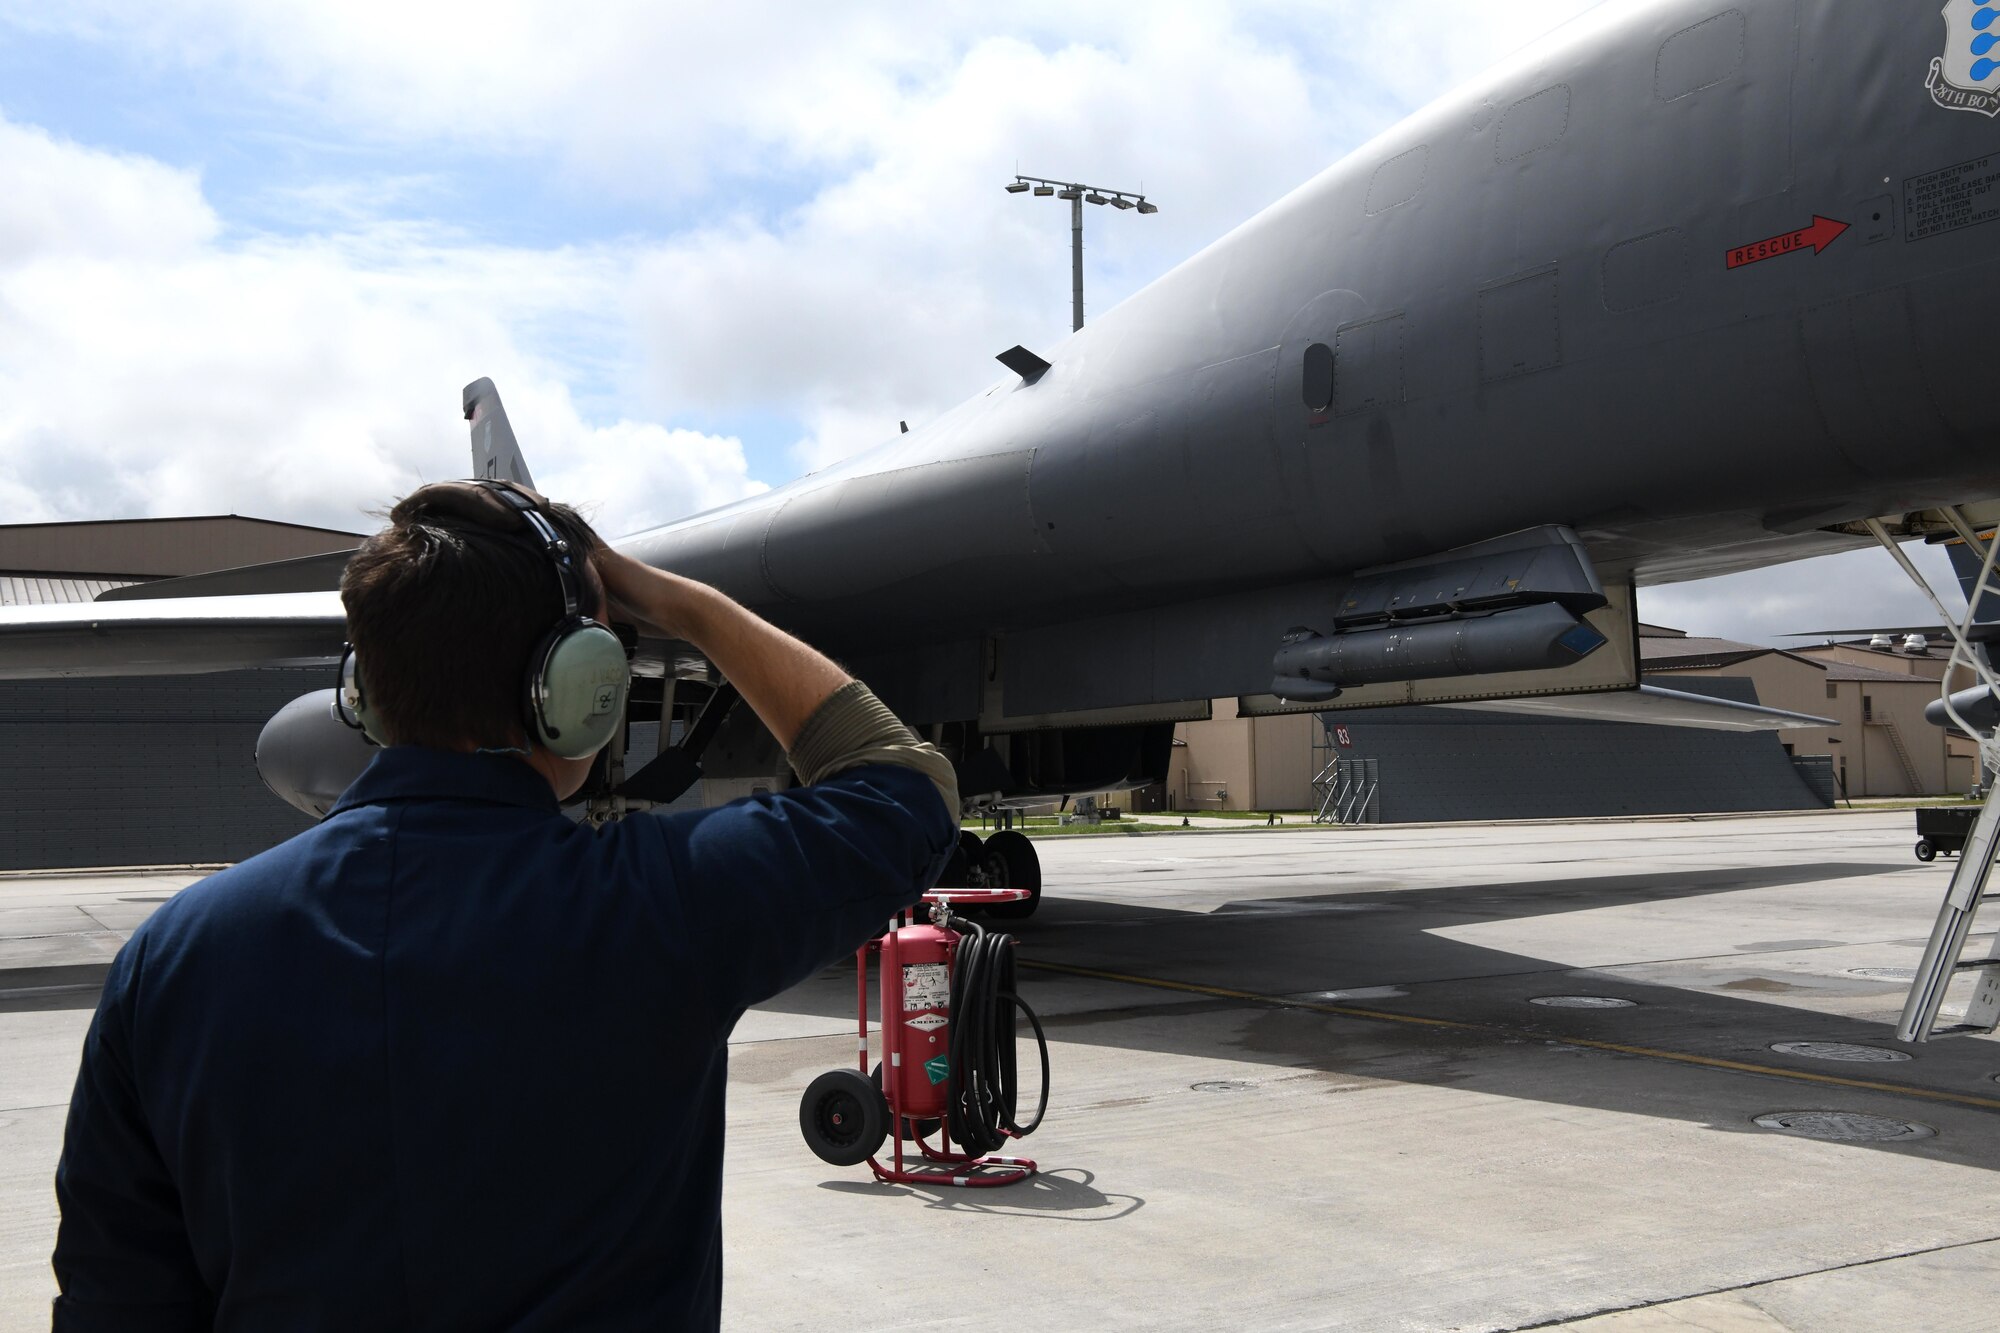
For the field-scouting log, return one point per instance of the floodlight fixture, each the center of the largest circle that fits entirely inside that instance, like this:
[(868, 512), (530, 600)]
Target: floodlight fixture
[(1077, 194)]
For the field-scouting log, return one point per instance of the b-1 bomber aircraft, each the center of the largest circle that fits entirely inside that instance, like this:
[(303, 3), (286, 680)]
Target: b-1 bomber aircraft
[(1688, 288)]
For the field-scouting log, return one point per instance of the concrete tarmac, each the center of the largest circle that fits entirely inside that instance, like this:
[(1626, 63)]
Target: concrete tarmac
[(1301, 1082)]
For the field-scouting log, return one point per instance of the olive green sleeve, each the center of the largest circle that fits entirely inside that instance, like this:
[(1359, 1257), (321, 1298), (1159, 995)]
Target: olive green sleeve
[(853, 728)]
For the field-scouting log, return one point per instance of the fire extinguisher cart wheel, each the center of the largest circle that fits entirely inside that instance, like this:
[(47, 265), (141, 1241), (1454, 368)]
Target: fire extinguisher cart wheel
[(846, 1114), (843, 1117)]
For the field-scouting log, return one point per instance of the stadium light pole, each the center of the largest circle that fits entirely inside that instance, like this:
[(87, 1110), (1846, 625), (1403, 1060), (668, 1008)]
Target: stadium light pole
[(1078, 194)]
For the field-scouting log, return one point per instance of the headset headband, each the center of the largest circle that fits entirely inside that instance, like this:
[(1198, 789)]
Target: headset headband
[(553, 542)]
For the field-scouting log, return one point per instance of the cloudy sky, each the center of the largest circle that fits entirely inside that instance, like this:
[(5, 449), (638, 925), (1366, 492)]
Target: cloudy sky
[(251, 249)]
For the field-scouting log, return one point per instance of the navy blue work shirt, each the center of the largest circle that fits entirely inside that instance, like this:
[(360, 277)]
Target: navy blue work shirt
[(451, 1061)]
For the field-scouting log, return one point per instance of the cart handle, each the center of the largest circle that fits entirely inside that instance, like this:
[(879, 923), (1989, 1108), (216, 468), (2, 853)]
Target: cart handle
[(976, 897)]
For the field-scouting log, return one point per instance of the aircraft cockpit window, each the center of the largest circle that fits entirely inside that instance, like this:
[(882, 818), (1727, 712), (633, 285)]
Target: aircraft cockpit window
[(1317, 388)]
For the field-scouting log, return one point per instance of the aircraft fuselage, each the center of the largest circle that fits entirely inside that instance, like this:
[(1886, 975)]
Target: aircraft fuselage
[(1695, 281)]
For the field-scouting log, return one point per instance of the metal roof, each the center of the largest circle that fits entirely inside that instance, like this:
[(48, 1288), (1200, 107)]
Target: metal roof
[(1663, 654), (49, 590), (159, 547), (1854, 671)]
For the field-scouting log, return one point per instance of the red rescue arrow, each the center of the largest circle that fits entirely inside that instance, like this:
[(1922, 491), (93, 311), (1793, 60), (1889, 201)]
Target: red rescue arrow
[(1821, 234)]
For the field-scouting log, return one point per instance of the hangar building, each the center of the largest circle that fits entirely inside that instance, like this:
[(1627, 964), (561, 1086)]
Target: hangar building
[(152, 770)]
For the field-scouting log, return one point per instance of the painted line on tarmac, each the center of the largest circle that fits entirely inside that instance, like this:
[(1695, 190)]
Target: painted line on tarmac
[(1496, 1030), (42, 992)]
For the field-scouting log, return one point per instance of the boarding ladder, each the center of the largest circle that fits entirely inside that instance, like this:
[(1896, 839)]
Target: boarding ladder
[(1344, 785), (1944, 956)]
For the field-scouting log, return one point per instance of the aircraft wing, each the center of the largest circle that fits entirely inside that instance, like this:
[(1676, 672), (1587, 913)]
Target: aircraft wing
[(1661, 707), (170, 636)]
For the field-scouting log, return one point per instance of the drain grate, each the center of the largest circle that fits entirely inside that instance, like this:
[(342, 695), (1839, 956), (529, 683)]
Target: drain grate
[(1839, 1050), (1884, 973), (1844, 1126), (1222, 1085), (1583, 1002)]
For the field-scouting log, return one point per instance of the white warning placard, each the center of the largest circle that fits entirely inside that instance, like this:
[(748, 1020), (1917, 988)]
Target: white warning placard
[(925, 986)]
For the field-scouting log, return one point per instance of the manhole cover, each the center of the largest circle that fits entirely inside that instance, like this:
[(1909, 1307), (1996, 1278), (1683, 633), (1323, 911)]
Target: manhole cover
[(1583, 1002), (1839, 1050), (1222, 1085), (1844, 1126), (1885, 973)]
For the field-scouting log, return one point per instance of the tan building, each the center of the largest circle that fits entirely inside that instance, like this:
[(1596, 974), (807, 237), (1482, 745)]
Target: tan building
[(1232, 763), (1882, 745), (1876, 692)]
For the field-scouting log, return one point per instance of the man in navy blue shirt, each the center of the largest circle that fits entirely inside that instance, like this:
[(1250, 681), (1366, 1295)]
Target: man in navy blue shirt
[(450, 1060)]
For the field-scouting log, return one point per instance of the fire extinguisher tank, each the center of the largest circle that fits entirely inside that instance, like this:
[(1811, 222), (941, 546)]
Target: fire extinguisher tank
[(916, 1015)]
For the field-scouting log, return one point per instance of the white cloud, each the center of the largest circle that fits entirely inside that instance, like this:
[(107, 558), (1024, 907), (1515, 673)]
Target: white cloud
[(63, 198), (760, 86), (1861, 589), (147, 368)]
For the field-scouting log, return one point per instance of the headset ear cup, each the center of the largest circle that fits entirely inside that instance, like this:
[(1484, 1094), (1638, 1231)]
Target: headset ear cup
[(351, 699), (576, 693)]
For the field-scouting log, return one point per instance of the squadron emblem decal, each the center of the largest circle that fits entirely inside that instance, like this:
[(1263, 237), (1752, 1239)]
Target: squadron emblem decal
[(1967, 76)]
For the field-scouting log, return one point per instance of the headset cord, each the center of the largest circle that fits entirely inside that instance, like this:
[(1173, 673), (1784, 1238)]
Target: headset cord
[(984, 1086)]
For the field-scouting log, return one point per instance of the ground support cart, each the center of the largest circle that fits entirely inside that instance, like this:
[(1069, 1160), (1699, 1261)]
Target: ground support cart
[(1943, 828), (907, 1098)]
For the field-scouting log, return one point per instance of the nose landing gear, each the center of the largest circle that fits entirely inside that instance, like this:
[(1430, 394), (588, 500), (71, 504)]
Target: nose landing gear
[(1003, 860)]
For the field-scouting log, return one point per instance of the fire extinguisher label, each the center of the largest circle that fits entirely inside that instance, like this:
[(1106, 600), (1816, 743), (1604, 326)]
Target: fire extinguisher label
[(927, 1022), (938, 1069), (925, 986)]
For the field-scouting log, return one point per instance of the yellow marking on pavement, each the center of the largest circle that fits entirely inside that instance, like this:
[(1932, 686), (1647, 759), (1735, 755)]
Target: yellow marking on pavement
[(1494, 1029)]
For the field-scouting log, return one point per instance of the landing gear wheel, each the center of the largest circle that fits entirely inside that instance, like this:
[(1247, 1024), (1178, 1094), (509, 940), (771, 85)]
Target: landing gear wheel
[(843, 1117), (906, 1129), (1012, 864), (1926, 852)]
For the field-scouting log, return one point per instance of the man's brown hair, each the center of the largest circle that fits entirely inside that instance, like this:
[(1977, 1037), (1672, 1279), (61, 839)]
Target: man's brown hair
[(444, 613)]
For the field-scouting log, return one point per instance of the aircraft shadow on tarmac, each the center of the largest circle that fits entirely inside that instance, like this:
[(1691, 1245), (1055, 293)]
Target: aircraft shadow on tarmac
[(1300, 949), (39, 989)]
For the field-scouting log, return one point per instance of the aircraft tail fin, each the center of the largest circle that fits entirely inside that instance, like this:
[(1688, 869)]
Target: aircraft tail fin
[(496, 454), (1965, 562)]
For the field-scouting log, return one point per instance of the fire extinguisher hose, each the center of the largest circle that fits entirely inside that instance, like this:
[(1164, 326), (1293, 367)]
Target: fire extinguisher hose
[(984, 1088)]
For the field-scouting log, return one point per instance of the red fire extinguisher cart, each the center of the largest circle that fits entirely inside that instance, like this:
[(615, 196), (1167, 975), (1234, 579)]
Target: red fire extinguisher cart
[(946, 1069)]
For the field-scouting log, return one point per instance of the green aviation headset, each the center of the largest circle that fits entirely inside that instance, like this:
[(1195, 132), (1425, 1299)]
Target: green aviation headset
[(577, 679)]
